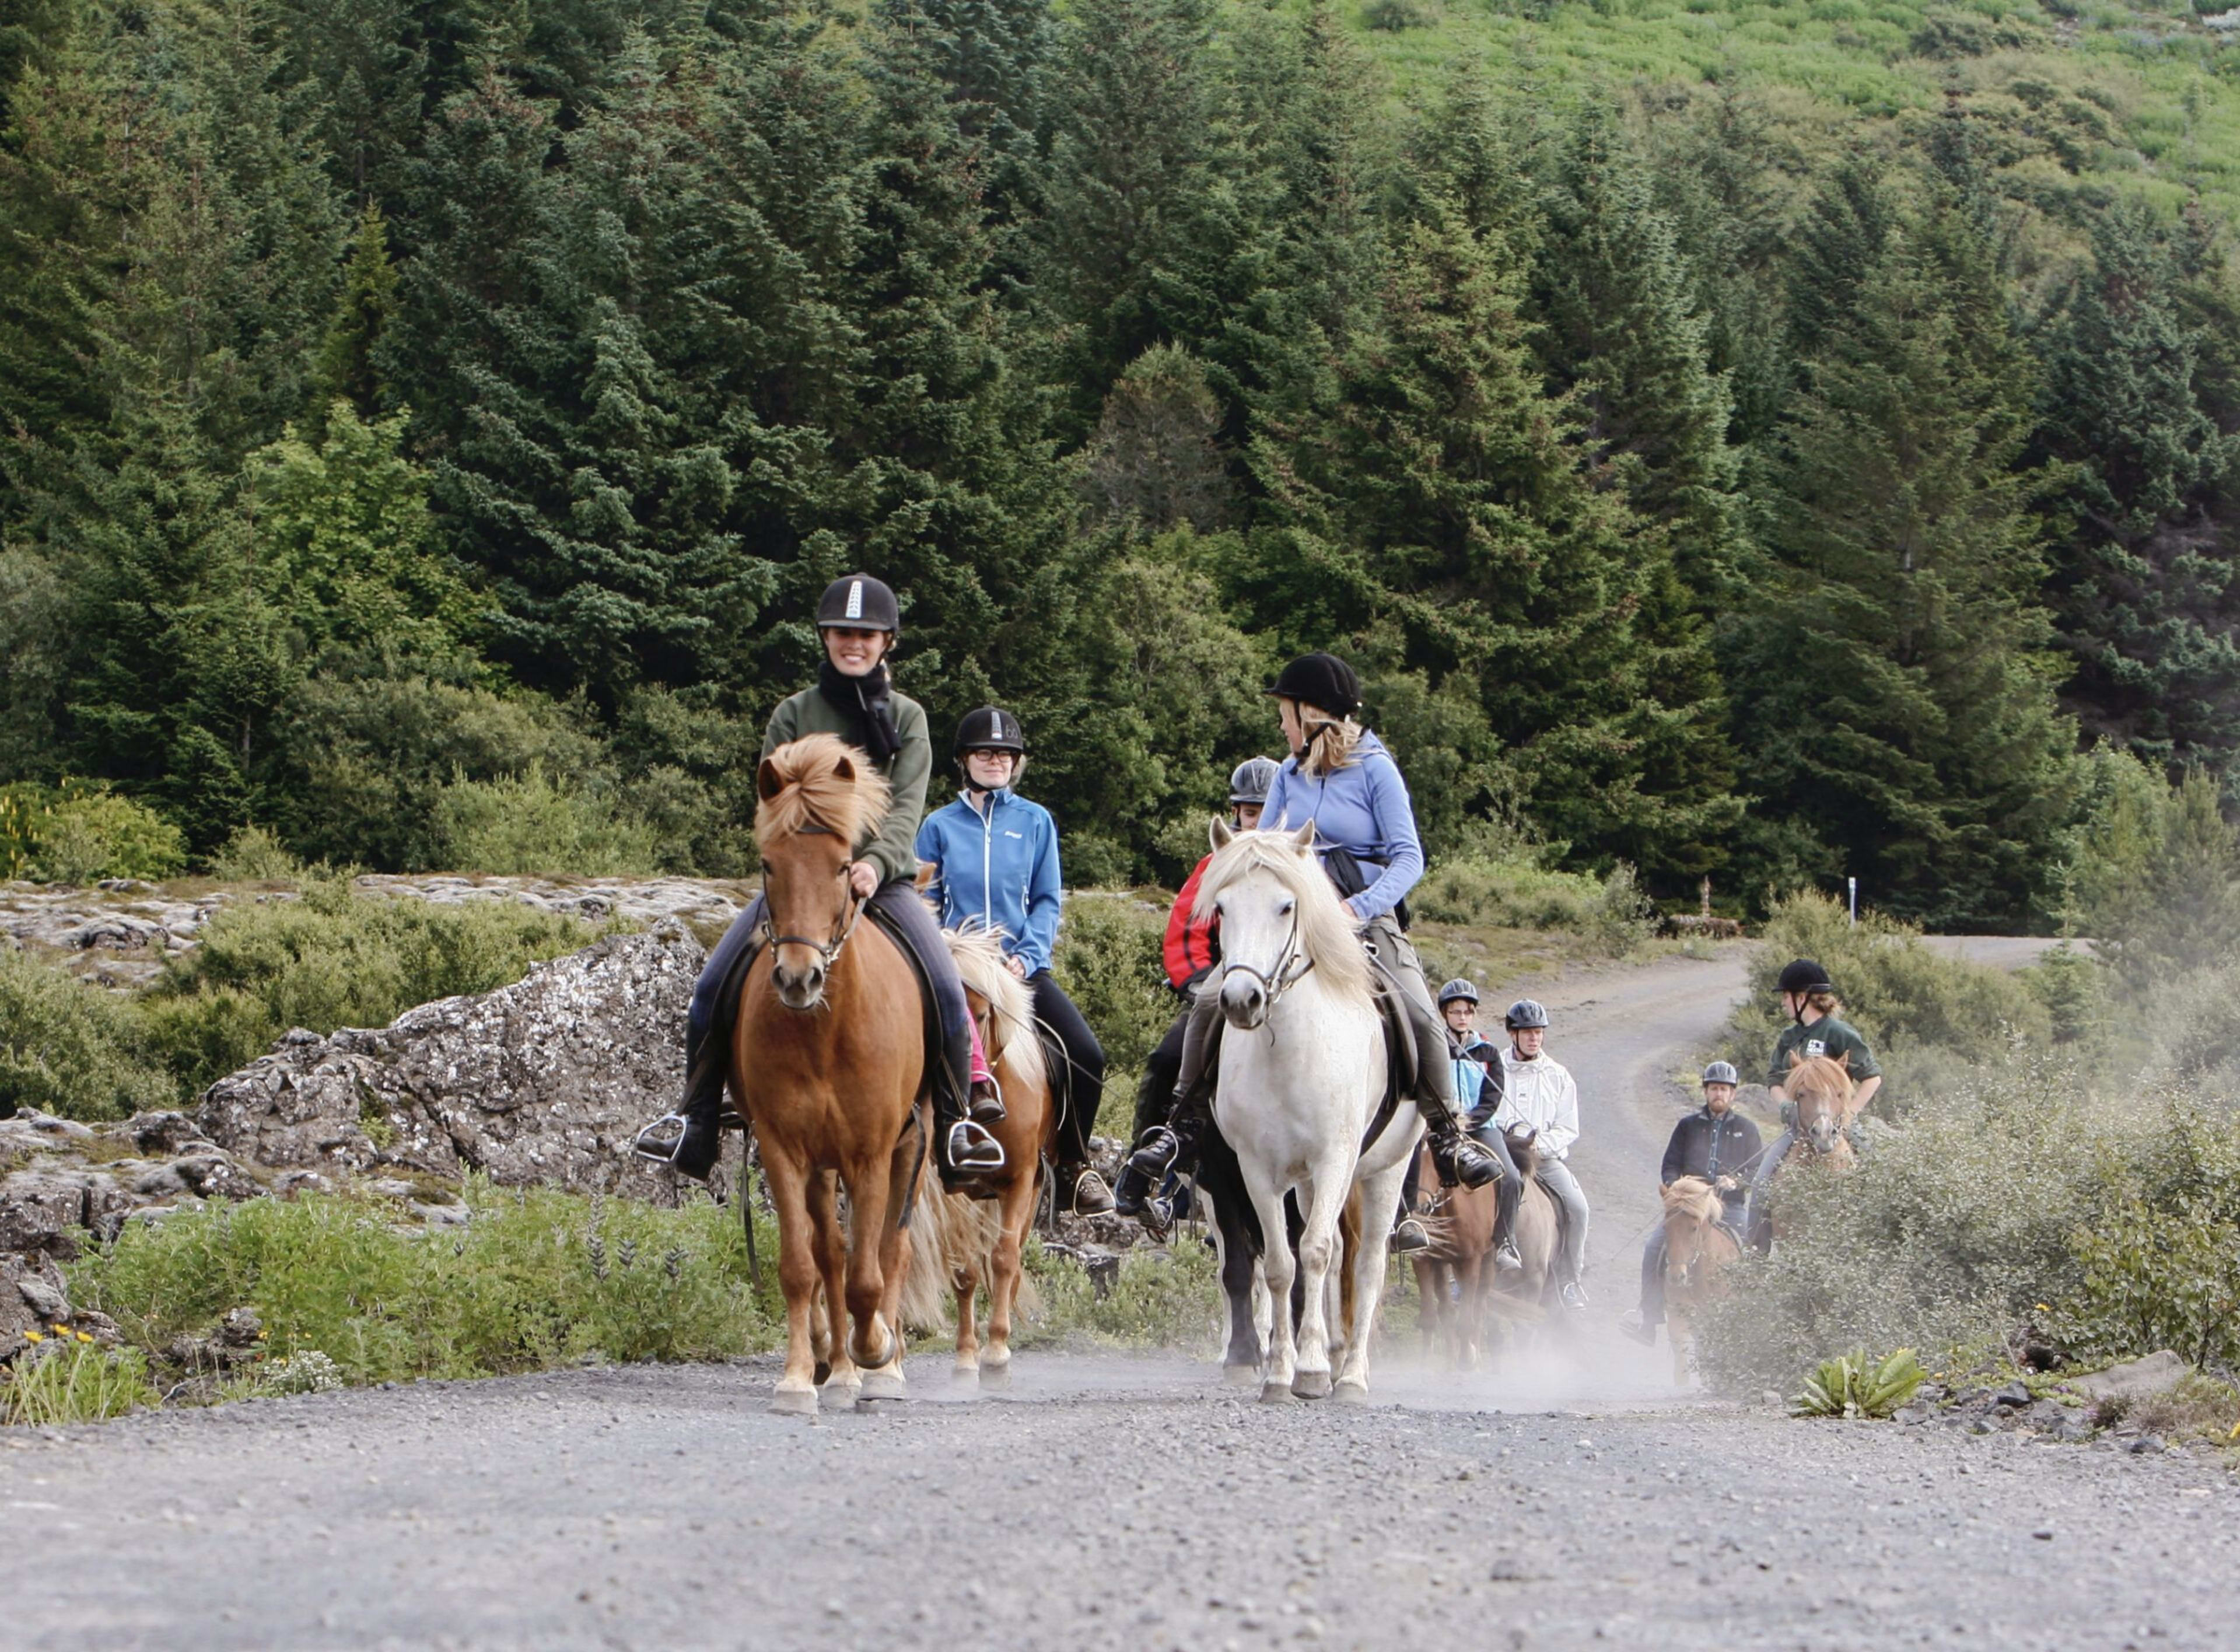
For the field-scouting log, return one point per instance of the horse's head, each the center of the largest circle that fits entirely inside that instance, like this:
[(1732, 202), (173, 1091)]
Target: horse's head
[(1279, 918), (1821, 1091), (818, 797), (1692, 1209)]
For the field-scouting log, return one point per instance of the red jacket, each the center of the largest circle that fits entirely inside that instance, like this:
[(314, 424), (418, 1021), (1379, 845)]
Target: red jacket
[(1191, 948)]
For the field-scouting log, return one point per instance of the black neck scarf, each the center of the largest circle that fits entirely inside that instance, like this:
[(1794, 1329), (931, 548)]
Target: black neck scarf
[(868, 703)]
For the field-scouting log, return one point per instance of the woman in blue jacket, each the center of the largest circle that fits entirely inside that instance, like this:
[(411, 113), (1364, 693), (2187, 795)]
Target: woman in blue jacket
[(1340, 777), (996, 867)]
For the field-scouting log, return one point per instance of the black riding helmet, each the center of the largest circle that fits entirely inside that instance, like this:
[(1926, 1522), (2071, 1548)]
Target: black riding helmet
[(1804, 976), (1323, 680), (857, 602), (990, 729)]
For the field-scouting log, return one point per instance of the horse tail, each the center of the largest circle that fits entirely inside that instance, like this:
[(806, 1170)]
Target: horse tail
[(950, 1243)]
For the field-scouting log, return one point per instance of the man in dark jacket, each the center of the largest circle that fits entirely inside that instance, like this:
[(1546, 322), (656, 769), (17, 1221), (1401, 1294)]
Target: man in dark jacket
[(1717, 1143)]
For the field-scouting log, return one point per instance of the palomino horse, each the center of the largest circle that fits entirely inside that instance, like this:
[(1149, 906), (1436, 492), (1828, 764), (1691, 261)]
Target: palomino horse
[(1303, 1070), (1821, 1091), (1460, 1225), (1697, 1245), (835, 1089), (976, 1257)]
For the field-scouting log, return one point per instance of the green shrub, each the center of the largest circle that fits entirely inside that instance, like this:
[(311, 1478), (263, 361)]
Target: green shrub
[(1158, 1300), (2158, 1278), (83, 832), (253, 855), (334, 959), (72, 1049), (1854, 1385), (534, 1278), (1394, 17), (1517, 892), (1109, 961), (71, 1379), (530, 823), (1902, 997)]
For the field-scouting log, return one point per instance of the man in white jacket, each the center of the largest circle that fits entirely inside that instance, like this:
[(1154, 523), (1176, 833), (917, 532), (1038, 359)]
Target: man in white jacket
[(1538, 1095)]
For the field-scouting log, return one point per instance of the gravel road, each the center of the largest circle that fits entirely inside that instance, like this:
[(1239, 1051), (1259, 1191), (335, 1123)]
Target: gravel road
[(1130, 1502)]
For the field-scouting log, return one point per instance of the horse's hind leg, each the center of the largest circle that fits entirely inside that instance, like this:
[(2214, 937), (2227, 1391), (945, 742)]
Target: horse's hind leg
[(1428, 1286), (834, 1368), (797, 1278), (1015, 1212), (1221, 1185), (966, 1372)]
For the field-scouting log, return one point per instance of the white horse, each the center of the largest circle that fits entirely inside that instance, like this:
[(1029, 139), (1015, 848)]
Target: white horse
[(1303, 1071)]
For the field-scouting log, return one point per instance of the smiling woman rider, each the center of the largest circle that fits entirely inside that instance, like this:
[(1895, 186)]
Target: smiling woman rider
[(853, 698)]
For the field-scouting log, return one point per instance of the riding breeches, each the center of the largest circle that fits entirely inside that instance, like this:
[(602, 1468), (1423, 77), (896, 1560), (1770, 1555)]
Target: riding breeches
[(1495, 1140), (1652, 1277), (716, 999), (1556, 1177), (1155, 1097), (1084, 1085)]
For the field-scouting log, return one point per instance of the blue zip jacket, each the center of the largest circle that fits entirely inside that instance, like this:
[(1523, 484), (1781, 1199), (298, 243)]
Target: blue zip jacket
[(997, 873), (1362, 808)]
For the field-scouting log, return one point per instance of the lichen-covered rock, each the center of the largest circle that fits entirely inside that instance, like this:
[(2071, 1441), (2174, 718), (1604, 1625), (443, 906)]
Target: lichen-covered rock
[(542, 1082)]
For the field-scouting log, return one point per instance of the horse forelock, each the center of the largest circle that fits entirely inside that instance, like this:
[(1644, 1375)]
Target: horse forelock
[(1820, 1079), (1691, 1195), (815, 794), (1326, 929), (979, 956)]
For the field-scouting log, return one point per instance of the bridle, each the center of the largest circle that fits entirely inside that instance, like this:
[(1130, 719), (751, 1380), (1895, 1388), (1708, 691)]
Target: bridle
[(827, 952), (1289, 969)]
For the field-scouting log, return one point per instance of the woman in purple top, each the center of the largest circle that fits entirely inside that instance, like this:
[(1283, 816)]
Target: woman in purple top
[(1340, 777)]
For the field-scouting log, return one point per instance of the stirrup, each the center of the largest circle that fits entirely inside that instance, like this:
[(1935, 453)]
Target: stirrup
[(971, 1150), (1091, 1196), (1506, 1259), (1156, 1154), (1408, 1235), (660, 1140)]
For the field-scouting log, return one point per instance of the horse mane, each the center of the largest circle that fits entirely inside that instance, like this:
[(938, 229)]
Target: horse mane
[(803, 788), (1691, 1195), (1326, 932), (979, 955), (1821, 1077)]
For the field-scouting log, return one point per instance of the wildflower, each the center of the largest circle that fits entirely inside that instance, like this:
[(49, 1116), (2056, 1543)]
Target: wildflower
[(2042, 1309), (61, 1329), (33, 1336), (85, 1336)]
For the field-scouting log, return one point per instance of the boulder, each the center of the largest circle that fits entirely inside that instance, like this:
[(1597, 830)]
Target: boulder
[(542, 1082), (2133, 1380)]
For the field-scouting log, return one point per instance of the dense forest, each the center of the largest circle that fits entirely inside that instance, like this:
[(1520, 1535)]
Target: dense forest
[(425, 425)]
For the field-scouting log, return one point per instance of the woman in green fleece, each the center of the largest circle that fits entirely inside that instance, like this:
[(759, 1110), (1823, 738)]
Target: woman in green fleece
[(853, 698)]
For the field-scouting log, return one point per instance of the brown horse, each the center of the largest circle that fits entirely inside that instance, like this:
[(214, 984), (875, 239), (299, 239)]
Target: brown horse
[(1821, 1089), (1696, 1247), (1450, 1271), (836, 1090), (976, 1257), (1521, 1298)]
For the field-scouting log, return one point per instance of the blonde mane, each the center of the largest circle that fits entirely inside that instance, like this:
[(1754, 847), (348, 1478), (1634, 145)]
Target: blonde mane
[(1326, 932), (804, 789), (1691, 1195), (1823, 1080), (979, 955)]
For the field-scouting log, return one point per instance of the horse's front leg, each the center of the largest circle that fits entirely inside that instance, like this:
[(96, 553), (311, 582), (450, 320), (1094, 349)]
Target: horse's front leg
[(1325, 1196), (797, 1278), (1015, 1212), (878, 1260), (1276, 1269), (1379, 1192), (1240, 1278)]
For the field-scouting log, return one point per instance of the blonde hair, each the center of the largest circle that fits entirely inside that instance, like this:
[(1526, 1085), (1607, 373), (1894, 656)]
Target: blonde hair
[(803, 788), (1329, 741), (1824, 1001)]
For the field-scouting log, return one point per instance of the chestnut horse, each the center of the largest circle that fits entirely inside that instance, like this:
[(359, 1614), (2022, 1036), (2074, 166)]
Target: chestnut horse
[(828, 1068), (1821, 1089), (1697, 1245), (1460, 1224), (1522, 1298), (976, 1253)]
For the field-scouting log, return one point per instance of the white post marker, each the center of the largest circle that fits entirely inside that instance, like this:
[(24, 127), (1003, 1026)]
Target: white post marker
[(1854, 882)]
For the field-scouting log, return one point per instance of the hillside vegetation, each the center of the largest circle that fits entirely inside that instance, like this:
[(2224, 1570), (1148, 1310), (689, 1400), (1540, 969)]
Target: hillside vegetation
[(1777, 443)]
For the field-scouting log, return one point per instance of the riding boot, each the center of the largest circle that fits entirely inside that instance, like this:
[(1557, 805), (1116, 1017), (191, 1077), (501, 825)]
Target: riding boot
[(691, 1140), (1081, 1190), (1131, 1190), (1408, 1235), (1171, 1146), (1461, 1162)]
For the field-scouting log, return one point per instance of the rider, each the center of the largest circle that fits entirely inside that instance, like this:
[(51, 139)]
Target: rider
[(1340, 777), (1458, 1009), (1193, 947), (1478, 1092), (1539, 1095), (1717, 1143), (858, 621), (1816, 1028), (996, 867)]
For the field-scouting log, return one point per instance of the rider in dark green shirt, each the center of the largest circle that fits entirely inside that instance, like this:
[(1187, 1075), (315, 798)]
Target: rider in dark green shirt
[(1815, 1029)]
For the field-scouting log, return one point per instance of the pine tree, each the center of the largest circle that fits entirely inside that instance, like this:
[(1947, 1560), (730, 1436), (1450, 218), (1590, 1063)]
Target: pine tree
[(1899, 702), (368, 299)]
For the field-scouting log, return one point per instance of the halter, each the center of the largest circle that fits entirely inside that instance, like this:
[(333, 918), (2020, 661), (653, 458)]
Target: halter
[(1289, 969), (827, 952)]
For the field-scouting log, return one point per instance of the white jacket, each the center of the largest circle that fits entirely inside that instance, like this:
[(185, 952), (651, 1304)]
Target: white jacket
[(1539, 1095)]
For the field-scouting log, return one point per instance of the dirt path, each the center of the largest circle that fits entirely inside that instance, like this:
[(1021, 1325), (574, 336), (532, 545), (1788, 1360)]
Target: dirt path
[(1121, 1501)]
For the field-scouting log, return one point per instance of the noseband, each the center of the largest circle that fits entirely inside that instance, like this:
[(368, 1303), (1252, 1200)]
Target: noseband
[(827, 952), (1289, 969)]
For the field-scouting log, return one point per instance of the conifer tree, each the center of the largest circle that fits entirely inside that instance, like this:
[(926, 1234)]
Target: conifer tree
[(362, 309)]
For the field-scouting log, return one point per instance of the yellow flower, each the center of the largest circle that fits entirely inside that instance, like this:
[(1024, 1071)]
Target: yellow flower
[(2042, 1309), (85, 1336), (33, 1336), (62, 1329)]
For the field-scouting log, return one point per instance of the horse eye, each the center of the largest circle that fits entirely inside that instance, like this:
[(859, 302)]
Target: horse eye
[(1286, 909)]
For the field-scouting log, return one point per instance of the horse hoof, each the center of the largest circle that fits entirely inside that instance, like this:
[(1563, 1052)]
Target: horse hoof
[(1275, 1394), (794, 1402), (884, 1385), (1312, 1385), (1240, 1377), (964, 1378), (1350, 1393), (995, 1378)]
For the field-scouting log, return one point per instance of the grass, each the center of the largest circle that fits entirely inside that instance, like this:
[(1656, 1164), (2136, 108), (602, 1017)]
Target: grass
[(68, 1378)]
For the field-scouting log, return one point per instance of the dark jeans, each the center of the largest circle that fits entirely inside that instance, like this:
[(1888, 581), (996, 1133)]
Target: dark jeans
[(711, 1005), (1652, 1277), (1155, 1096), (1086, 1057)]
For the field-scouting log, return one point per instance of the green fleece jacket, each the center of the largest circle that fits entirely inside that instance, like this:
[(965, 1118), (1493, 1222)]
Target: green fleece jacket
[(892, 845)]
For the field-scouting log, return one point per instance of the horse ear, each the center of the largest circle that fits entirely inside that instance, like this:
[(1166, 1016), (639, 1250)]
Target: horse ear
[(768, 782), (1843, 1060), (1795, 1060), (1221, 836), (1304, 837), (927, 872), (844, 769)]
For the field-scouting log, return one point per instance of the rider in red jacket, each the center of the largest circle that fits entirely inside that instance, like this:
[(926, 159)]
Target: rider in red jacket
[(1192, 948)]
